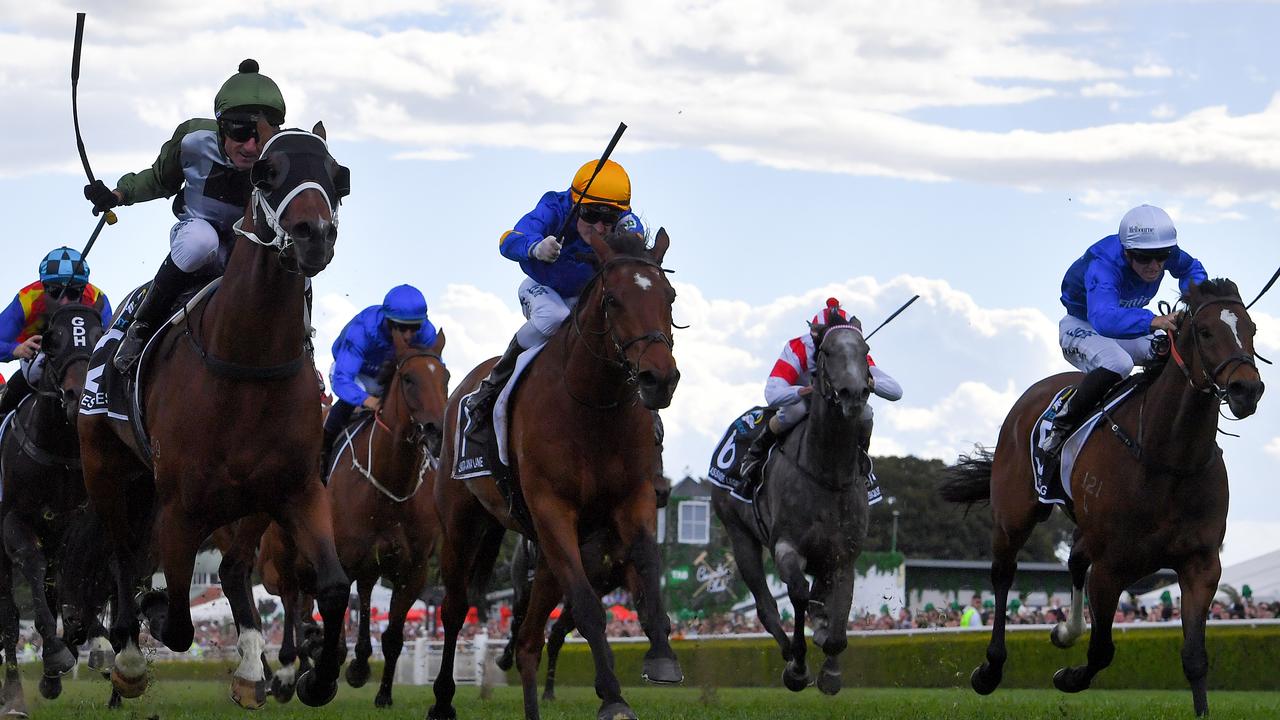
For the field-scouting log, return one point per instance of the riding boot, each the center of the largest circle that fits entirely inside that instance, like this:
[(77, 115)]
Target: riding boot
[(753, 463), (334, 423), (168, 284), (1088, 394), (14, 392), (480, 404)]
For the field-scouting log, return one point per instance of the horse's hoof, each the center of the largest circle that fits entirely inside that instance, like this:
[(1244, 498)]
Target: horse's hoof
[(248, 694), (101, 656), (281, 690), (795, 682), (548, 696), (504, 662), (16, 707), (128, 687), (1060, 637), (358, 673), (50, 687), (59, 663), (616, 711), (382, 701), (311, 693), (1069, 681), (449, 713), (829, 682), (662, 671), (984, 680), (116, 702)]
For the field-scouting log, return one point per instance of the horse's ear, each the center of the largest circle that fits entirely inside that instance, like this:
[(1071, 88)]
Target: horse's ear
[(601, 248), (438, 346), (660, 245), (400, 344), (318, 129)]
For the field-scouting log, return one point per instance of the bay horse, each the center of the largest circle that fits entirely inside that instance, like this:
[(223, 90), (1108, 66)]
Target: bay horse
[(581, 439), (384, 515), (43, 489), (233, 425), (1162, 503), (811, 510)]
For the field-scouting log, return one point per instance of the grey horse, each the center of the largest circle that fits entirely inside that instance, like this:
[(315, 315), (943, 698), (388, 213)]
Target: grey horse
[(811, 511)]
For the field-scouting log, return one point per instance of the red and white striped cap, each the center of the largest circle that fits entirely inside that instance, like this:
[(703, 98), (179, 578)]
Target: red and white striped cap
[(830, 312)]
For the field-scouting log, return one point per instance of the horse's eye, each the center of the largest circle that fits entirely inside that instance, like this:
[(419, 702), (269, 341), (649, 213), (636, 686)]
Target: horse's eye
[(1204, 333), (611, 301)]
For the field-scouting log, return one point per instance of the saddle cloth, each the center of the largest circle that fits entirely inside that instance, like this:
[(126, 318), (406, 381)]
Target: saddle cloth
[(1056, 490), (726, 463), (471, 460)]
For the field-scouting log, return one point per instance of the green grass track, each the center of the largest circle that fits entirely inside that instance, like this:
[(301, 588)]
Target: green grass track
[(191, 700)]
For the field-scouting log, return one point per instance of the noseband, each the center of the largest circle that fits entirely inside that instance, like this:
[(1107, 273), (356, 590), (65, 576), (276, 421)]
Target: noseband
[(620, 347), (1235, 361), (417, 430)]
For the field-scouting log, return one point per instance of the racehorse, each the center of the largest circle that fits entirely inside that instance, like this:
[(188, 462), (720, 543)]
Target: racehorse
[(582, 457), (385, 522), (43, 488), (811, 510), (232, 424), (1149, 488)]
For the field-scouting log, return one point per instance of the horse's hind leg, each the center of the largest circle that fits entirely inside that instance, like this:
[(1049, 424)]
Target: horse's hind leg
[(169, 615), (1198, 578), (12, 697), (560, 629), (1104, 594), (1065, 634), (23, 546), (660, 665), (830, 605), (543, 596), (358, 670), (748, 555)]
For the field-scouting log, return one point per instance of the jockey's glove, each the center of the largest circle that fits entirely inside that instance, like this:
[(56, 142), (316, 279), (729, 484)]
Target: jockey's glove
[(547, 249), (101, 196)]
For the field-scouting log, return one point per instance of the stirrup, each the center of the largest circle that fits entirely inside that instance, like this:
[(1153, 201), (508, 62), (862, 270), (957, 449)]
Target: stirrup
[(130, 348), (1053, 442)]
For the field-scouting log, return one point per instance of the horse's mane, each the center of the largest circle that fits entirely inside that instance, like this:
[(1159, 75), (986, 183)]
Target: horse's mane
[(388, 369), (624, 243), (1213, 288)]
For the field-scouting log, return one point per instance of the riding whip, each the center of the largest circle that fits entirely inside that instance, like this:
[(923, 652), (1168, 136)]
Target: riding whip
[(109, 216), (617, 135), (895, 314), (1265, 288)]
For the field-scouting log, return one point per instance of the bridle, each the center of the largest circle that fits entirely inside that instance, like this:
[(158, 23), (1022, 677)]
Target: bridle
[(416, 437), (620, 347), (1237, 360), (825, 390)]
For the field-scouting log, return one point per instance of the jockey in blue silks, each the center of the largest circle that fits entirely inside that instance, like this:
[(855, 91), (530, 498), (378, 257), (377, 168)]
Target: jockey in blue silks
[(364, 346), (549, 244), (1107, 328)]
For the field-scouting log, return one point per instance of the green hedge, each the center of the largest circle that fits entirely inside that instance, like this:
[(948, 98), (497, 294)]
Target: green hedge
[(1240, 658)]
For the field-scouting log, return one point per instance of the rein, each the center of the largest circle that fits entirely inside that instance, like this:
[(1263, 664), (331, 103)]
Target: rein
[(36, 453), (416, 437), (632, 370), (237, 371), (1211, 386)]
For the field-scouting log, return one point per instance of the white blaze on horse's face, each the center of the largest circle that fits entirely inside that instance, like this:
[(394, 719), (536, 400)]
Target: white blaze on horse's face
[(644, 282), (1231, 319)]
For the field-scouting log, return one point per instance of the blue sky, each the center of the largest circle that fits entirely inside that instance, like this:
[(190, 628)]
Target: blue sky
[(967, 151)]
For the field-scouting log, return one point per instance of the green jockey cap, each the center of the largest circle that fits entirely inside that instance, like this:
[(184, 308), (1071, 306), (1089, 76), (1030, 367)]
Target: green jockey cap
[(252, 92)]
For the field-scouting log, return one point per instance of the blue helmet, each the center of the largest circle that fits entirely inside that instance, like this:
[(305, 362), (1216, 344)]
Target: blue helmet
[(64, 265), (405, 304)]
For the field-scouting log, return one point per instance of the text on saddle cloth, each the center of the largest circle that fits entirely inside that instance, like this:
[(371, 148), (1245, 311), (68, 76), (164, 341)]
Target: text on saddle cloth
[(472, 460), (725, 471), (1055, 488)]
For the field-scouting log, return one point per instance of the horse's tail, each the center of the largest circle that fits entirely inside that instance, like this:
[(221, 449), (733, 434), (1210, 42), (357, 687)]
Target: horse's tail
[(969, 480)]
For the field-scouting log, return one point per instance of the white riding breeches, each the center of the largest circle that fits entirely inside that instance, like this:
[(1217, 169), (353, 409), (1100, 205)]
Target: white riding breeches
[(1084, 348), (544, 310), (194, 246)]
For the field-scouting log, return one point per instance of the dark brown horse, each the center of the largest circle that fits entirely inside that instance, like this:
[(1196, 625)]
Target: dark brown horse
[(582, 455), (1161, 504), (233, 424), (384, 515), (43, 491)]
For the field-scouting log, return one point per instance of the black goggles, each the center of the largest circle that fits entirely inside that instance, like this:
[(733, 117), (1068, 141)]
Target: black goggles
[(240, 130), (63, 290), (404, 327), (595, 213), (1149, 256)]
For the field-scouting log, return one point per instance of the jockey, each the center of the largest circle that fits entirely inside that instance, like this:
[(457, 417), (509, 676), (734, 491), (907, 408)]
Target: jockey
[(790, 384), (64, 280), (208, 160), (549, 243), (364, 346), (1107, 328)]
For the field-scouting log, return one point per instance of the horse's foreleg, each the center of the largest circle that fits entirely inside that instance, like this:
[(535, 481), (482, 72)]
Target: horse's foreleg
[(466, 529), (308, 520), (543, 596), (12, 692), (791, 569), (1104, 594), (248, 682), (748, 556), (1013, 523), (23, 547), (556, 523), (170, 621), (830, 605), (1198, 578), (402, 599), (560, 629), (358, 670), (660, 665), (282, 683), (1065, 634)]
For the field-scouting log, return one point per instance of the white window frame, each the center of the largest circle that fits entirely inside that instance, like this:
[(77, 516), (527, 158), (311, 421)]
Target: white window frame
[(684, 532), (662, 525)]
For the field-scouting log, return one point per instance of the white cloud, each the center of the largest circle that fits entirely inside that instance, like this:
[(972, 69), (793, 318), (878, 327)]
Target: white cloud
[(1152, 70), (1108, 90), (1163, 111)]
